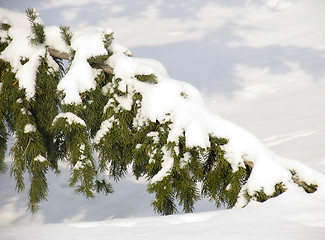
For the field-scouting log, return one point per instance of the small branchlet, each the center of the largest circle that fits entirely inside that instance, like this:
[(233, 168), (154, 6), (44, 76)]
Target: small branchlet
[(98, 62), (66, 34), (108, 39), (309, 188), (103, 186), (150, 78), (32, 14), (5, 26), (36, 26)]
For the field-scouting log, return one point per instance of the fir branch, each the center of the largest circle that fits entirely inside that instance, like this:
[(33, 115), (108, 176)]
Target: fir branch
[(3, 144), (37, 27), (98, 61), (150, 78), (309, 188), (66, 34), (103, 186), (63, 55), (58, 54), (164, 202), (5, 26), (25, 152), (24, 60), (31, 14), (108, 39), (38, 190)]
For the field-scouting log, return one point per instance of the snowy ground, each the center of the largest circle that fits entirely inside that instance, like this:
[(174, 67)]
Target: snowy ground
[(257, 63)]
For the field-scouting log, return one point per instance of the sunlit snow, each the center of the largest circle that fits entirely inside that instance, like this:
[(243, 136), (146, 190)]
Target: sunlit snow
[(257, 63)]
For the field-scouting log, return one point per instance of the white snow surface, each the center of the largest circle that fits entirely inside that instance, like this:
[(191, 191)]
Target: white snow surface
[(40, 158), (257, 64), (54, 39), (29, 128), (70, 118), (104, 128)]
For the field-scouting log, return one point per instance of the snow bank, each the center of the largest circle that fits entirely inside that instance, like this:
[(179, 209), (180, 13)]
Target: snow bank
[(279, 218)]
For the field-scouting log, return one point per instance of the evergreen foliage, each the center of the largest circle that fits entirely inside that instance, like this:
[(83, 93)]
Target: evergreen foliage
[(36, 27), (98, 61), (3, 130), (261, 196), (108, 39), (221, 183), (4, 26), (147, 78), (66, 34), (107, 121)]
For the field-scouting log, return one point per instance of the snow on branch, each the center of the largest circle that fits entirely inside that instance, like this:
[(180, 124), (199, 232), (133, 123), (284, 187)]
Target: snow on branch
[(70, 118), (309, 188), (137, 115)]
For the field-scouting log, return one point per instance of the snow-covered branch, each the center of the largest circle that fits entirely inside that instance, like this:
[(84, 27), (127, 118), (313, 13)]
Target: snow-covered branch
[(136, 117), (309, 188), (66, 56), (58, 54)]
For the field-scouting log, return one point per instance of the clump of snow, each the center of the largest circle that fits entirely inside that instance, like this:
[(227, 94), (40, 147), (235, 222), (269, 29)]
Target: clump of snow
[(107, 89), (71, 118), (104, 128), (102, 176), (86, 43), (167, 165), (265, 175), (29, 128), (154, 135), (78, 165), (117, 48), (108, 104), (19, 48), (24, 111), (27, 73), (305, 173), (125, 102), (126, 67), (185, 159), (40, 158), (82, 150), (122, 86), (54, 39)]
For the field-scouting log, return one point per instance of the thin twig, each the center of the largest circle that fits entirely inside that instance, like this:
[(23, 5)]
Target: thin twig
[(24, 153)]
